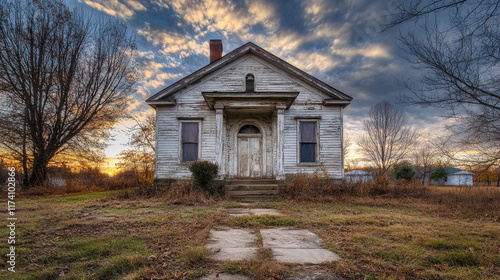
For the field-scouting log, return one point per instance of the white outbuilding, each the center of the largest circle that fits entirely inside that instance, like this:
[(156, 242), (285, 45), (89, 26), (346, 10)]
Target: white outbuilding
[(358, 176), (458, 177)]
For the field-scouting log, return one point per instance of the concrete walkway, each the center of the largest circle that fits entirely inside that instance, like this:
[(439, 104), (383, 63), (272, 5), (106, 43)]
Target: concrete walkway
[(296, 246), (287, 245), (229, 244)]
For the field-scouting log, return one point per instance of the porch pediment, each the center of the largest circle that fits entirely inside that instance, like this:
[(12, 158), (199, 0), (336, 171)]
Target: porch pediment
[(250, 99)]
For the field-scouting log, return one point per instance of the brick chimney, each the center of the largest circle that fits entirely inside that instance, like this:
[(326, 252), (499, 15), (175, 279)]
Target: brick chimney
[(215, 50)]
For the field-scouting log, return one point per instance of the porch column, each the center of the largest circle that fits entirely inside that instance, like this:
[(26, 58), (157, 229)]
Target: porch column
[(280, 126), (219, 145)]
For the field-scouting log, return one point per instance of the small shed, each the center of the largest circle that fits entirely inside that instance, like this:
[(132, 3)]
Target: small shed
[(358, 176), (458, 177)]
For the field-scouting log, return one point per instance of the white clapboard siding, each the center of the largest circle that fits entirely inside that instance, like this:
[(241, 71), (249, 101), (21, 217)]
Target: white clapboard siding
[(231, 78)]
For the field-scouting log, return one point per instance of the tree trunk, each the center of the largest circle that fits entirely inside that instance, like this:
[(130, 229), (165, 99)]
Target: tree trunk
[(25, 156), (39, 175)]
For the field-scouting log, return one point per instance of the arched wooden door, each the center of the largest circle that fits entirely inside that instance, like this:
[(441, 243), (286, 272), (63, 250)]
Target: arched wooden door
[(249, 152)]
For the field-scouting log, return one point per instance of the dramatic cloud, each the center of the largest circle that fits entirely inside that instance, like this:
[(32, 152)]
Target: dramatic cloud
[(173, 43), (338, 42), (222, 15), (115, 7)]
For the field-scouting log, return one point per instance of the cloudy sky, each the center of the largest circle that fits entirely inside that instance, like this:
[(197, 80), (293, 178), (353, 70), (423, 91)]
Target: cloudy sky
[(338, 42)]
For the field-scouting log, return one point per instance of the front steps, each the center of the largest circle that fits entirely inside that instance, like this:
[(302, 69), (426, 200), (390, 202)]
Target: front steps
[(252, 190)]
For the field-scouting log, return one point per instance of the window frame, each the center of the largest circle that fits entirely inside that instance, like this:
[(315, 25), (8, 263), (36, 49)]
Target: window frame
[(299, 138), (181, 151), (246, 77)]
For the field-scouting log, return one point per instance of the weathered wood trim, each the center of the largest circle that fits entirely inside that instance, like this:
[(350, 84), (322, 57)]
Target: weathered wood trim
[(219, 148), (253, 98), (307, 117), (342, 140), (256, 135), (280, 113), (190, 118), (156, 145), (155, 104), (333, 102)]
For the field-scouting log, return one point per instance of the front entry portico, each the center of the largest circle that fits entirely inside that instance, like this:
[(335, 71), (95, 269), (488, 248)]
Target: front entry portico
[(250, 133)]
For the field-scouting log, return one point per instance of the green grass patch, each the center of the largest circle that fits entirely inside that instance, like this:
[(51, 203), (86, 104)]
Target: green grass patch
[(78, 197)]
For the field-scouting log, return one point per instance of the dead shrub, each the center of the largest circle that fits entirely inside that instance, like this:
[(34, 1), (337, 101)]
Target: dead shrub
[(306, 187)]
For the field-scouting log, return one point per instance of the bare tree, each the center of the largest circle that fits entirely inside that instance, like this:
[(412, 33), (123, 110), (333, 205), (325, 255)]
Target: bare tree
[(387, 138), (140, 158), (425, 158), (457, 51), (345, 146), (70, 76)]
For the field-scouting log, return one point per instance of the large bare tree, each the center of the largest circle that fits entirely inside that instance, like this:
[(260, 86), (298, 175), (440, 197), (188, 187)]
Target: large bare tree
[(457, 50), (387, 138), (68, 77)]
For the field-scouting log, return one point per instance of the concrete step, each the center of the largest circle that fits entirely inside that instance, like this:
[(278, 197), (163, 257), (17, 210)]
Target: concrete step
[(252, 192), (252, 187), (255, 198)]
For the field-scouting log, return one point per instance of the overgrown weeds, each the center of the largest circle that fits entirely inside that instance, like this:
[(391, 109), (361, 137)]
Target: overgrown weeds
[(78, 187), (469, 200), (183, 192)]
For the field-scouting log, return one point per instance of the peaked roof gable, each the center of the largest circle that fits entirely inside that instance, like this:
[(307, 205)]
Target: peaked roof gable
[(250, 47)]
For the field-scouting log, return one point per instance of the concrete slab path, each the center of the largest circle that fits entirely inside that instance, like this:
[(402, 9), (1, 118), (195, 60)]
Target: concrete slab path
[(238, 212), (296, 246), (229, 244)]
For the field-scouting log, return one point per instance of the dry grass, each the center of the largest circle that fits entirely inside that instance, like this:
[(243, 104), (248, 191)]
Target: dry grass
[(77, 187), (467, 201), (183, 192), (148, 235)]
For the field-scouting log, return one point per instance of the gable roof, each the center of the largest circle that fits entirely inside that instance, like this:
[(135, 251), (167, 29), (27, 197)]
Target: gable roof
[(457, 171), (337, 97)]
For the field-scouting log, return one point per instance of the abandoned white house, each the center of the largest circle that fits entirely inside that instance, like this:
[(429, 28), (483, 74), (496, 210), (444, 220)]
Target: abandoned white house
[(253, 114)]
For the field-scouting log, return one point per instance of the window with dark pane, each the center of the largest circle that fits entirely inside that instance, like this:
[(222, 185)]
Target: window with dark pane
[(250, 83), (189, 141), (308, 142), (249, 129)]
